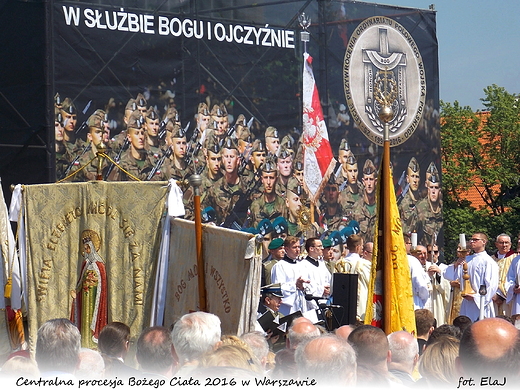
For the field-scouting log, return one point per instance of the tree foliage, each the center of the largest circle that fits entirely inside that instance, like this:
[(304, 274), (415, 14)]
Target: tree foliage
[(481, 150)]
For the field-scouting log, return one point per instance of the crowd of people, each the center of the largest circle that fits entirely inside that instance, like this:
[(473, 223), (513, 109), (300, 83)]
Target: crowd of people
[(193, 351), (249, 173), (473, 347)]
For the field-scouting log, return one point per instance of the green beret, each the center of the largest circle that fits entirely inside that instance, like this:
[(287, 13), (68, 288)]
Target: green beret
[(327, 243), (276, 243)]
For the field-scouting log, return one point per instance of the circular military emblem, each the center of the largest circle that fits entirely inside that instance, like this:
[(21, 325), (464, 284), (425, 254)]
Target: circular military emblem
[(383, 67)]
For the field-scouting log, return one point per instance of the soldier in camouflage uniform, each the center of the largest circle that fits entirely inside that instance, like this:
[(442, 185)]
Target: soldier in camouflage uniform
[(350, 188), (407, 206), (88, 160), (136, 160), (229, 189), (272, 141), (202, 121), (332, 215), (251, 174), (285, 166), (72, 143), (137, 104), (429, 210), (63, 158), (153, 144), (365, 208), (270, 205), (293, 204), (179, 169), (211, 173), (298, 171)]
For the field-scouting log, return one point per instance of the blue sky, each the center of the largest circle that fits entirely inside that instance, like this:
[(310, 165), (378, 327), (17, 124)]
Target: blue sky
[(479, 45)]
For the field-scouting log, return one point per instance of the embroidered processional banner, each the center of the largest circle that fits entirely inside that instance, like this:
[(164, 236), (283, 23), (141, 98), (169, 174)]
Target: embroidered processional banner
[(92, 253), (232, 276)]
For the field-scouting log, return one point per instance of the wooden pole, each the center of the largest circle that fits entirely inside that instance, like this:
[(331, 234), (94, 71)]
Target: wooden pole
[(196, 181)]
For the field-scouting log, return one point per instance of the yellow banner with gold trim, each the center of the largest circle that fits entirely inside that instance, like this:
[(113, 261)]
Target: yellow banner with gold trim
[(390, 299), (92, 252)]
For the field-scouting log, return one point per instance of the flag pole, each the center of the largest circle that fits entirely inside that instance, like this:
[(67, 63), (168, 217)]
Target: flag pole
[(385, 115), (196, 181)]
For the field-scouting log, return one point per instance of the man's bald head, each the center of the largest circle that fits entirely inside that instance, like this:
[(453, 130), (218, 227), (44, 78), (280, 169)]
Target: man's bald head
[(300, 332), (344, 331), (490, 347), (329, 359)]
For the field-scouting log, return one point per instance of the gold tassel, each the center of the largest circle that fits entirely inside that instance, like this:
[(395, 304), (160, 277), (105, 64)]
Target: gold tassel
[(7, 288)]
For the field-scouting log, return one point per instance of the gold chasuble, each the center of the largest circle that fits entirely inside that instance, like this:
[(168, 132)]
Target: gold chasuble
[(92, 250)]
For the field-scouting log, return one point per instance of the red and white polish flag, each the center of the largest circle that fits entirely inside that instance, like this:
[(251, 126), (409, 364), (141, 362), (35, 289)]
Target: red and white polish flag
[(318, 160)]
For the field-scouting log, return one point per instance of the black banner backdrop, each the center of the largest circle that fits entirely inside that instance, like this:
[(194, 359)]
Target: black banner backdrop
[(247, 55)]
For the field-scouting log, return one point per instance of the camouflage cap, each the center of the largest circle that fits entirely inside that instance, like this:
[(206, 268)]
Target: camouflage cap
[(229, 143), (140, 100), (298, 165), (332, 180), (287, 142), (269, 165), (57, 115), (258, 146), (432, 169), (131, 105), (176, 130), (57, 100), (152, 113), (212, 145), (68, 106), (245, 134), (136, 120), (343, 145), (271, 132), (97, 119), (351, 159), (264, 227), (241, 120), (369, 167), (434, 178), (219, 110), (203, 109), (172, 114), (413, 165), (284, 153), (280, 225), (294, 186)]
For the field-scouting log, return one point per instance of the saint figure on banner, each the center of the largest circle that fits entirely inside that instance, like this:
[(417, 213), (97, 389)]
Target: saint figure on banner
[(89, 306)]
